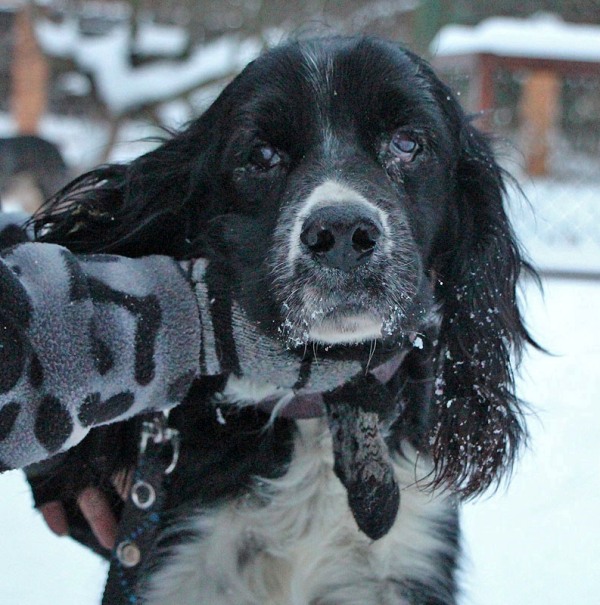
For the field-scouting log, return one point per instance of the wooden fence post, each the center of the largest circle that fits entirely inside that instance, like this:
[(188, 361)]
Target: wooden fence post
[(29, 75), (540, 105)]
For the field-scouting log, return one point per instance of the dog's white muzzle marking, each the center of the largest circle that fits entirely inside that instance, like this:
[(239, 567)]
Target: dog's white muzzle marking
[(347, 330), (338, 329), (330, 193)]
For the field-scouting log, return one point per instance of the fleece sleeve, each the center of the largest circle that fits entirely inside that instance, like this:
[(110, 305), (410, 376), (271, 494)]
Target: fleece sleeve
[(88, 340)]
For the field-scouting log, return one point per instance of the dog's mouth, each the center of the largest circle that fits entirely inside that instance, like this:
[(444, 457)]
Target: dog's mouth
[(365, 313), (346, 327), (341, 320)]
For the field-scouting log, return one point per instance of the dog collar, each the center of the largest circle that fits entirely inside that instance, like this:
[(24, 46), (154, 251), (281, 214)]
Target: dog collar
[(303, 405)]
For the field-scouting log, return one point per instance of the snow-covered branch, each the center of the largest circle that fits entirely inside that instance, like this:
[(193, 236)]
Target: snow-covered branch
[(123, 87)]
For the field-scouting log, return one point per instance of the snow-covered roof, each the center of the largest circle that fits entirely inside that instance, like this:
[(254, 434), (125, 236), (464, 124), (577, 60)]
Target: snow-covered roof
[(542, 36), (123, 87)]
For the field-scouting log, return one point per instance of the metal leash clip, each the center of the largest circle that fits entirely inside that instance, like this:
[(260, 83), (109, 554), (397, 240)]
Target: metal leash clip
[(157, 430)]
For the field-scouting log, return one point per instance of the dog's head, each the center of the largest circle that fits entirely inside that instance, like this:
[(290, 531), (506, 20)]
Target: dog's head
[(349, 200), (335, 179)]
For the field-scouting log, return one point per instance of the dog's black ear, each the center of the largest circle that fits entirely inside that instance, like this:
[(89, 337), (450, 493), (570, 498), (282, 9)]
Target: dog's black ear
[(152, 205), (478, 418)]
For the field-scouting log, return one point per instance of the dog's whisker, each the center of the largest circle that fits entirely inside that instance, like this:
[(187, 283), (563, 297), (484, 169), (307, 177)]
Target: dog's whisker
[(371, 353), (314, 348)]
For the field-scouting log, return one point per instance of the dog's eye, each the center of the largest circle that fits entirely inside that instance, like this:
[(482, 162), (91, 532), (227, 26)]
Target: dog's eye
[(264, 157), (404, 146)]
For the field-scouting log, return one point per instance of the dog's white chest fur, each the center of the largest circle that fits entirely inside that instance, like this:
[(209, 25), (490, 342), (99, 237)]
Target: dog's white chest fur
[(294, 541)]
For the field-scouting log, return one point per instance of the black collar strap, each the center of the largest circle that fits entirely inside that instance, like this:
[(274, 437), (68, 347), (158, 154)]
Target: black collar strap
[(140, 520), (301, 405)]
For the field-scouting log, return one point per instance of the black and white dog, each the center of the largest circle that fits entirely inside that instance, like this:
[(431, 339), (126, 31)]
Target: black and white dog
[(348, 197), (30, 159)]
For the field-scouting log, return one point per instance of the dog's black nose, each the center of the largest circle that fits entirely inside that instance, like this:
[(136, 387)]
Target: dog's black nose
[(341, 237)]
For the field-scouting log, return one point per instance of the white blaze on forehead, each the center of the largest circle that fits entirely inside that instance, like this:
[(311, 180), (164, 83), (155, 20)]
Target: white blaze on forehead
[(319, 71), (330, 193)]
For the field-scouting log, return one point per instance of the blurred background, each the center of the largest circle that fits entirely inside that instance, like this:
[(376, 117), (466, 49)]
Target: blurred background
[(97, 77), (94, 78)]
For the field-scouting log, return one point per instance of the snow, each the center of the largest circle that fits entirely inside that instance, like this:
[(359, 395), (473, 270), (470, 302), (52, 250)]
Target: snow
[(533, 544), (163, 40), (542, 36), (37, 567), (123, 87), (537, 542), (152, 39), (82, 142)]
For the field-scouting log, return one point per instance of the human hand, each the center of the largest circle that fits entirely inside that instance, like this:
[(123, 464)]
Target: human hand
[(95, 508)]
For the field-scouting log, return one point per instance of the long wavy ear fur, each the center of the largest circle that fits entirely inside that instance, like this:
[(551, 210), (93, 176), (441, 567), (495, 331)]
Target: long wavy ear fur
[(153, 205), (478, 418)]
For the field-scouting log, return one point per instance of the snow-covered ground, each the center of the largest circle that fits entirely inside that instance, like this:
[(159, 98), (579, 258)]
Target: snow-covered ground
[(535, 543), (37, 567)]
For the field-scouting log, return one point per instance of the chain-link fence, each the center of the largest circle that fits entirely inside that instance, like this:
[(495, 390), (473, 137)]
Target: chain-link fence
[(557, 215)]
